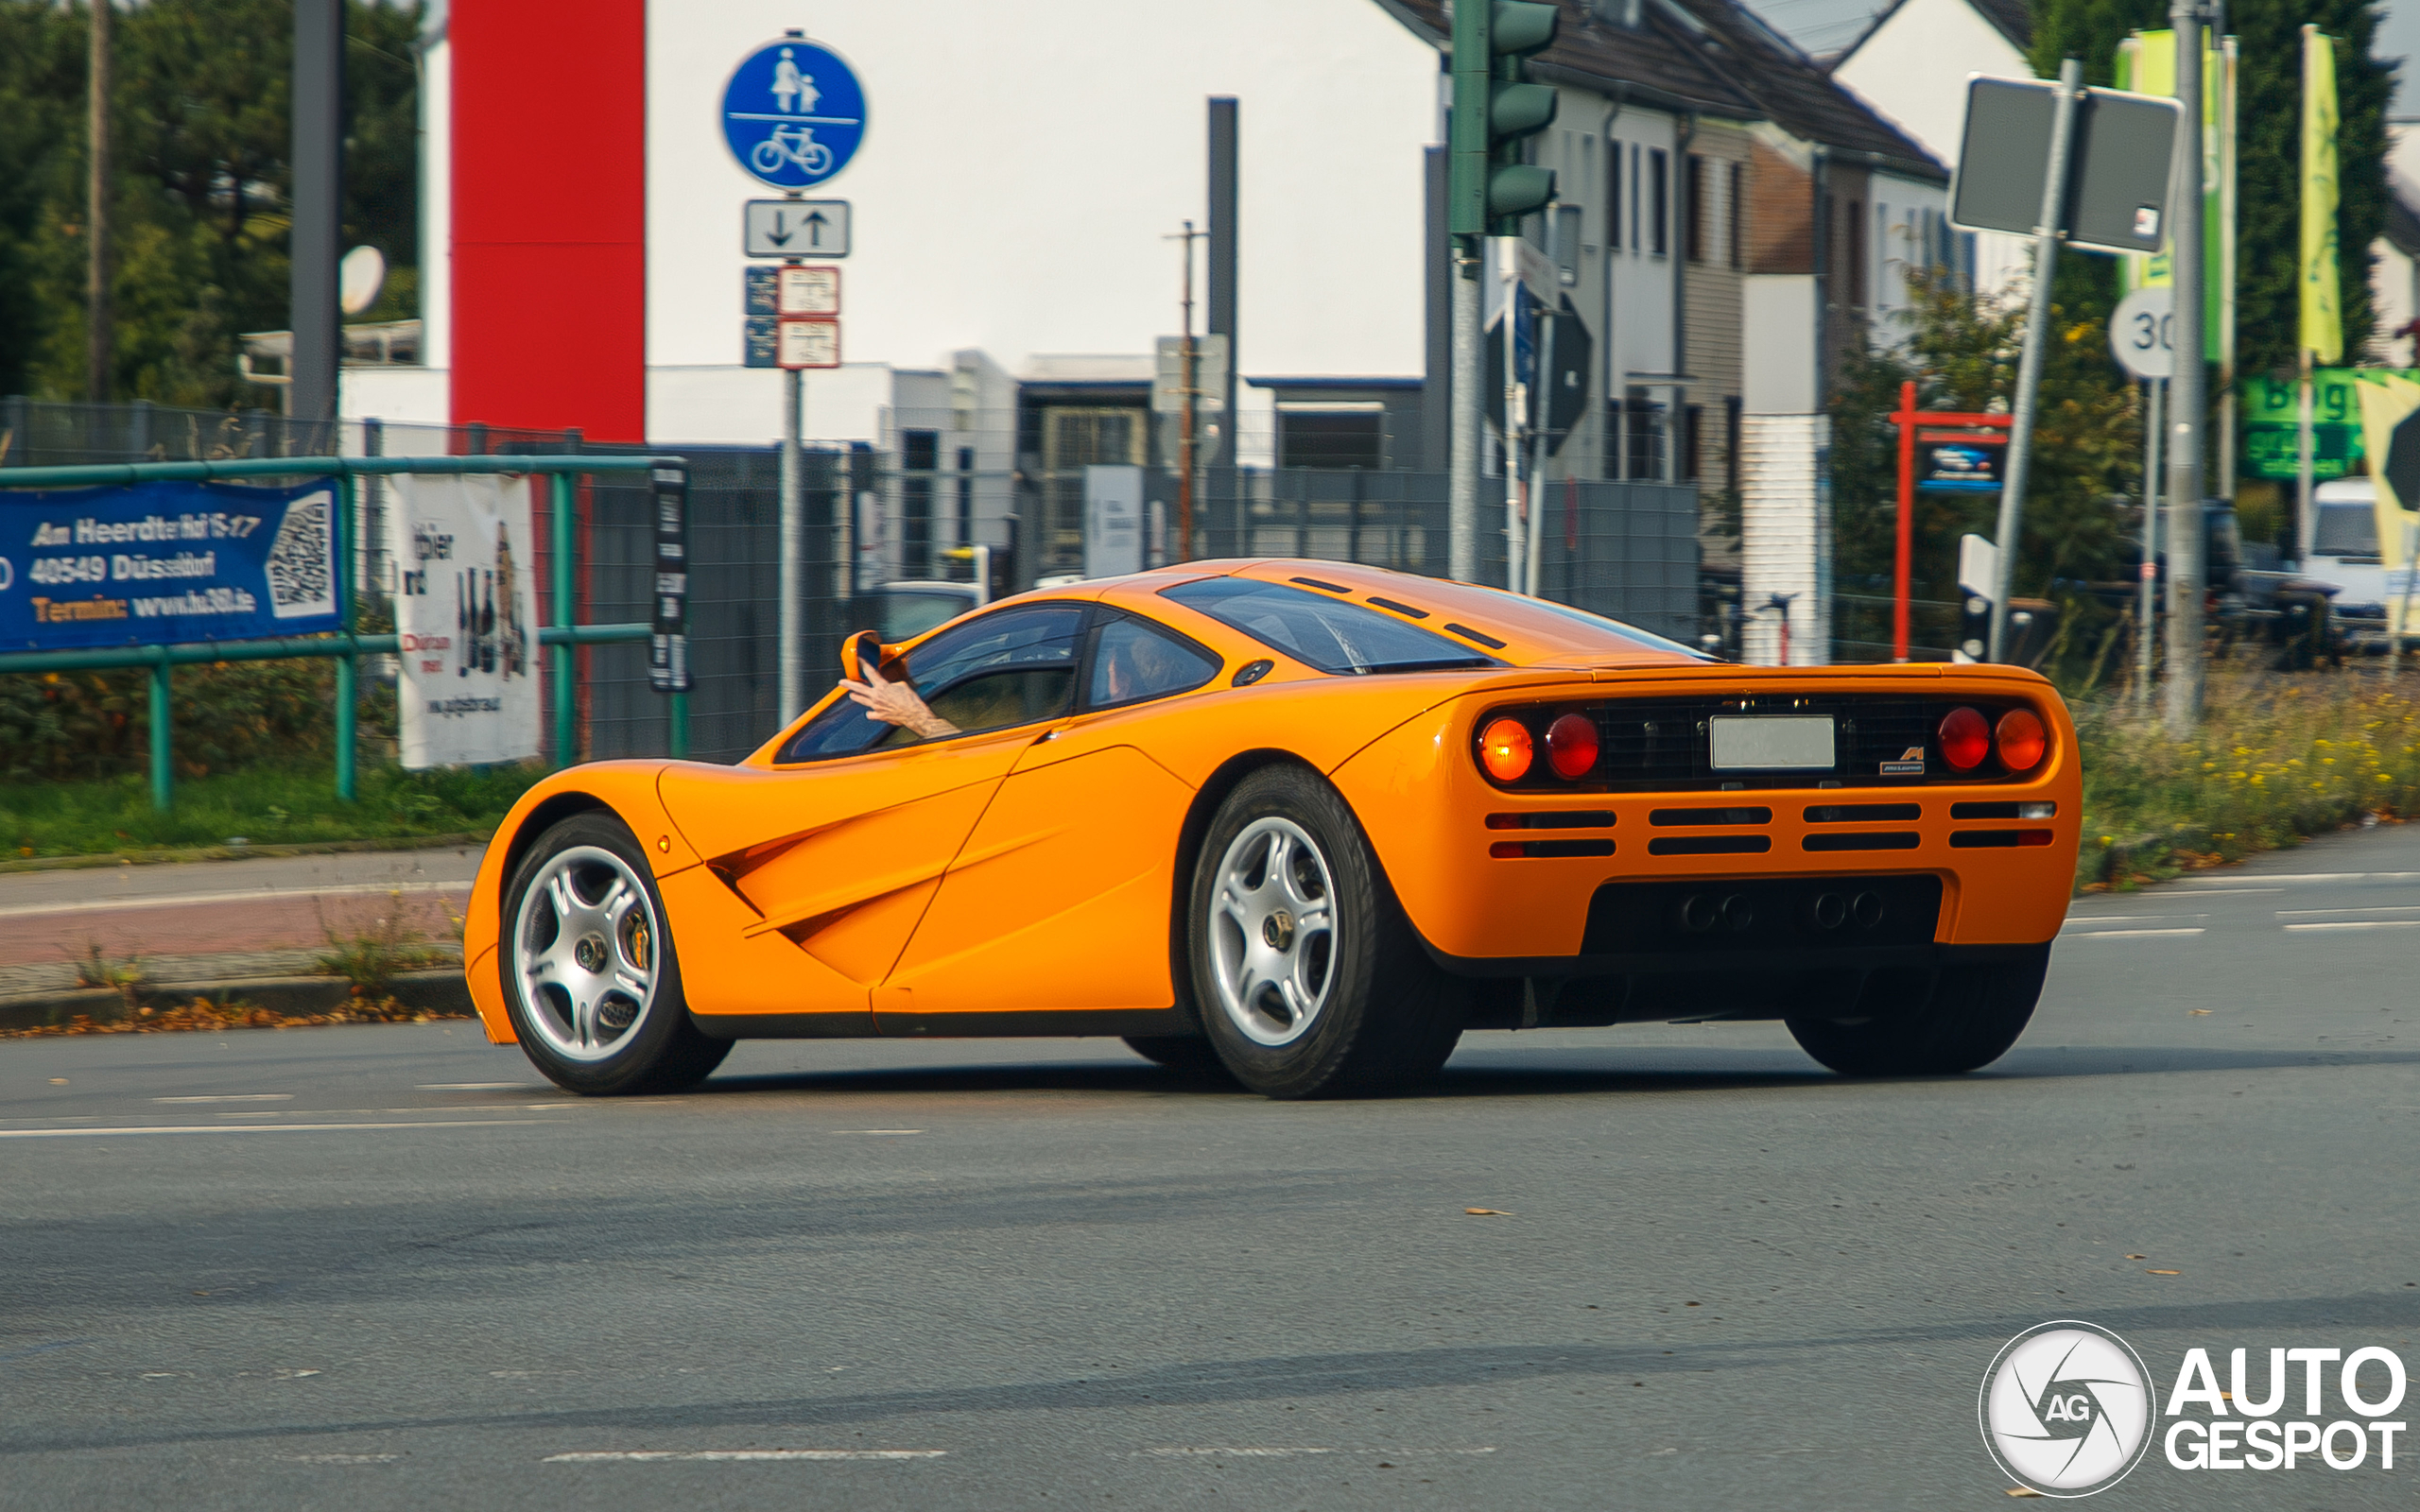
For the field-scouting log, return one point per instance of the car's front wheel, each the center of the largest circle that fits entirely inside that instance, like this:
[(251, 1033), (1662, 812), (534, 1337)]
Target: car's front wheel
[(591, 979), (1936, 1023), (1311, 981)]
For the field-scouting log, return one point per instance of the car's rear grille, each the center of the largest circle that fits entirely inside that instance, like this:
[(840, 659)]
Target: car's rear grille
[(1659, 745)]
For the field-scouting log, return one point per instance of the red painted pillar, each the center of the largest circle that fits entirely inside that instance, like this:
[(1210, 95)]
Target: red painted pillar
[(1902, 562), (549, 318)]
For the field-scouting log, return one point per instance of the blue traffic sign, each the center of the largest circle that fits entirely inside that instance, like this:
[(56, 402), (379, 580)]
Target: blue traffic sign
[(793, 113)]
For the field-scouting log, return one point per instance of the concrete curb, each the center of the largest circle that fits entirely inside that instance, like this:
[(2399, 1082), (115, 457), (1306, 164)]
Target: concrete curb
[(437, 991), (463, 841)]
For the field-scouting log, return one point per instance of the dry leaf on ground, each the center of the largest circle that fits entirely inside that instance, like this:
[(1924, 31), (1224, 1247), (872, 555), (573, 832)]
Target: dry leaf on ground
[(1487, 1213)]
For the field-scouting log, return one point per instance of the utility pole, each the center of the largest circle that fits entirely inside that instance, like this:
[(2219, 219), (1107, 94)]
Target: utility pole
[(97, 214), (1516, 403), (1184, 441), (318, 201), (2186, 400), (1219, 255), (2029, 367)]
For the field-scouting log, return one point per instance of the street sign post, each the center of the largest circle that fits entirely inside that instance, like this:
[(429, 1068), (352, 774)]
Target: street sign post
[(807, 290), (2141, 332), (795, 227), (809, 341), (2116, 196), (793, 113)]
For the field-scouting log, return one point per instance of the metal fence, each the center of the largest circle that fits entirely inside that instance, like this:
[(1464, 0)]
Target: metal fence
[(1629, 550)]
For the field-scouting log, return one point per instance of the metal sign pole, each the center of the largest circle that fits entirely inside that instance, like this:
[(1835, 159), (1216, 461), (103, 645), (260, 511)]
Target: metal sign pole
[(2146, 594), (1470, 432), (791, 687), (2029, 370), (2185, 399), (1508, 270)]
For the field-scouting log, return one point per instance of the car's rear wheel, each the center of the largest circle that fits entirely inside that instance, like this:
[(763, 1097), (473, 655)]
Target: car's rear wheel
[(1936, 1023), (1188, 1053), (1311, 981), (591, 979)]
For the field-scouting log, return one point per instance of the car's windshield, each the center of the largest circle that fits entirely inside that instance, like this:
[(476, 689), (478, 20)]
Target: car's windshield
[(2346, 530), (1323, 632)]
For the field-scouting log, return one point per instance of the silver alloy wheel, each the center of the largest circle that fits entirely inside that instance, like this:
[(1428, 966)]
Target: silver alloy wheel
[(585, 947), (1272, 931)]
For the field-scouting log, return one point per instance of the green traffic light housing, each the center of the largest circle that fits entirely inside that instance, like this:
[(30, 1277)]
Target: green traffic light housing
[(1495, 105)]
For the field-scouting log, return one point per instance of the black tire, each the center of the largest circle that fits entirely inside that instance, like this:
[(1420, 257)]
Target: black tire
[(1385, 1019), (1189, 1053), (659, 1049), (1933, 1023)]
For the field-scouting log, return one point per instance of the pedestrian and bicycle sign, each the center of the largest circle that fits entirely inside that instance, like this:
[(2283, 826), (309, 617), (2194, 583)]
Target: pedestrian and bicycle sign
[(793, 115), (796, 228)]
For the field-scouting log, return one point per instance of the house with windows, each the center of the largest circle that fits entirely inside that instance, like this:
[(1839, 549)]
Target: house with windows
[(1730, 223)]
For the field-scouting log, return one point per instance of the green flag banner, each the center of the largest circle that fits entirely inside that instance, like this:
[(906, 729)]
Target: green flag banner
[(2268, 421)]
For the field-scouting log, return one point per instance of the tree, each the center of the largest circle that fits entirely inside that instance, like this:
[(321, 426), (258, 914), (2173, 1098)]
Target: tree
[(201, 185), (1962, 351)]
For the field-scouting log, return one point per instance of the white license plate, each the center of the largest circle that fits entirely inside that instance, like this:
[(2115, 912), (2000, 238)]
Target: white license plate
[(1796, 743)]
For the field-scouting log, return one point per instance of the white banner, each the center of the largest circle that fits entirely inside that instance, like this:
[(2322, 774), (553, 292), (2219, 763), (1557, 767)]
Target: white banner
[(466, 612)]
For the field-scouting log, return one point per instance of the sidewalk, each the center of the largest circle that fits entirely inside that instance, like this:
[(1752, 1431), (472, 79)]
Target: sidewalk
[(197, 922)]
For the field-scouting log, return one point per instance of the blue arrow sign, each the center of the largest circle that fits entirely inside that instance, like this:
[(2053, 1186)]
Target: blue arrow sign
[(793, 113)]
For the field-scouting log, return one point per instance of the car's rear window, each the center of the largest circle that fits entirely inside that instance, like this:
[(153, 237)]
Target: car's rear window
[(1611, 629), (1323, 632)]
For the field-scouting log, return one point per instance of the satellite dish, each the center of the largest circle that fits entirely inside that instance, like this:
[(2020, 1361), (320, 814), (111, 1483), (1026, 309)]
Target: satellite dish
[(359, 277)]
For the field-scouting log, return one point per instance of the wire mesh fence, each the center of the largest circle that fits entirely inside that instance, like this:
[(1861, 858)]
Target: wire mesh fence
[(1628, 550)]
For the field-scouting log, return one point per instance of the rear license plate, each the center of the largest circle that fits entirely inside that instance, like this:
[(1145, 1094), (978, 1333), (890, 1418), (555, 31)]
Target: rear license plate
[(1797, 743)]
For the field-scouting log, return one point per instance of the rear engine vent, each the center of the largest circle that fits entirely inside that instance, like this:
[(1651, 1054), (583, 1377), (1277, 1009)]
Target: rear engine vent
[(1885, 840), (1709, 845), (1997, 839), (1554, 819), (1866, 813), (1538, 849), (1704, 816)]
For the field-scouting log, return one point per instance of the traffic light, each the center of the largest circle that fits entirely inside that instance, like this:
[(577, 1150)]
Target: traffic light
[(1490, 188)]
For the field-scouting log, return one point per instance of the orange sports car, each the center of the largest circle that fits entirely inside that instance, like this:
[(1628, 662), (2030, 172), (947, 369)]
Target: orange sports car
[(1305, 822)]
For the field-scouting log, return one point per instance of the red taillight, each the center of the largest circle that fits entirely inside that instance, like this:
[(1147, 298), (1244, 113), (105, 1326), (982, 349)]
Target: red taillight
[(1571, 745), (2023, 741), (1965, 739), (1505, 750)]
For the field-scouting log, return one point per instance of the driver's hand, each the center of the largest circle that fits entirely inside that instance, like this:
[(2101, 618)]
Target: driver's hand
[(897, 703)]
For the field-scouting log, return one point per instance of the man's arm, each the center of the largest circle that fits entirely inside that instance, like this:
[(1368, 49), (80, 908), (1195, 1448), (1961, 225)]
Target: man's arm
[(897, 703)]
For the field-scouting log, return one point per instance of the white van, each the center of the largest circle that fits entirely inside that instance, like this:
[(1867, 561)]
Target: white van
[(2344, 551)]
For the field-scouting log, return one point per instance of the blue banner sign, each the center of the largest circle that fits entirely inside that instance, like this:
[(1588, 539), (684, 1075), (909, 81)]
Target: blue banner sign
[(159, 563)]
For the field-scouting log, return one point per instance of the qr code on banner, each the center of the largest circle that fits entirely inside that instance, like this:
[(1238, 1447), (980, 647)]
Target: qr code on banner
[(300, 577)]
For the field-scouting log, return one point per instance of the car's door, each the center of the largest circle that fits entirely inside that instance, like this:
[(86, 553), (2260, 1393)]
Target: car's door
[(837, 851), (1060, 899)]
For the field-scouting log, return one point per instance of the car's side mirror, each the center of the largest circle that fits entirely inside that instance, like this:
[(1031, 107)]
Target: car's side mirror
[(863, 652)]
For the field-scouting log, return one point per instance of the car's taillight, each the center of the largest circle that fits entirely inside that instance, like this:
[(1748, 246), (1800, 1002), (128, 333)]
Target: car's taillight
[(2022, 739), (1505, 750), (1571, 745), (1965, 739)]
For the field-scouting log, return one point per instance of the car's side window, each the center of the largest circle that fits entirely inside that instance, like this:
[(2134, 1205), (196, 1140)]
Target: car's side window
[(1012, 667), (1134, 660)]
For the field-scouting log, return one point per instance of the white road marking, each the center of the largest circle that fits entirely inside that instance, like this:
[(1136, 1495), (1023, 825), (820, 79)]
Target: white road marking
[(2319, 876), (2073, 920), (268, 1128), (234, 1097), (648, 1455), (2363, 923), (1234, 1451), (2126, 933), (250, 895), (340, 1459), (2318, 913), (877, 1131)]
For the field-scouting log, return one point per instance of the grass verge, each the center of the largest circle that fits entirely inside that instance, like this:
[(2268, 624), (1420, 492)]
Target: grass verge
[(273, 806), (202, 1015), (2280, 756)]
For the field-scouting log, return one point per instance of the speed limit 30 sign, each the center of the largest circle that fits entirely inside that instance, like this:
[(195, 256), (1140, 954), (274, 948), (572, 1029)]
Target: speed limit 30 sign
[(2140, 332)]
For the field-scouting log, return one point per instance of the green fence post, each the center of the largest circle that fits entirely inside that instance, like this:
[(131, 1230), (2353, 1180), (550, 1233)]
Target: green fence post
[(163, 742), (676, 708), (346, 664), (566, 707)]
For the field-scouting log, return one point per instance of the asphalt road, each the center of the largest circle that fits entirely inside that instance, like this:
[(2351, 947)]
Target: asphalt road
[(388, 1267)]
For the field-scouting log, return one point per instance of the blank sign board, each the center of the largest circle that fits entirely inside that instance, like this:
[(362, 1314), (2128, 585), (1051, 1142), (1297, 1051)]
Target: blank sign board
[(2117, 198)]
